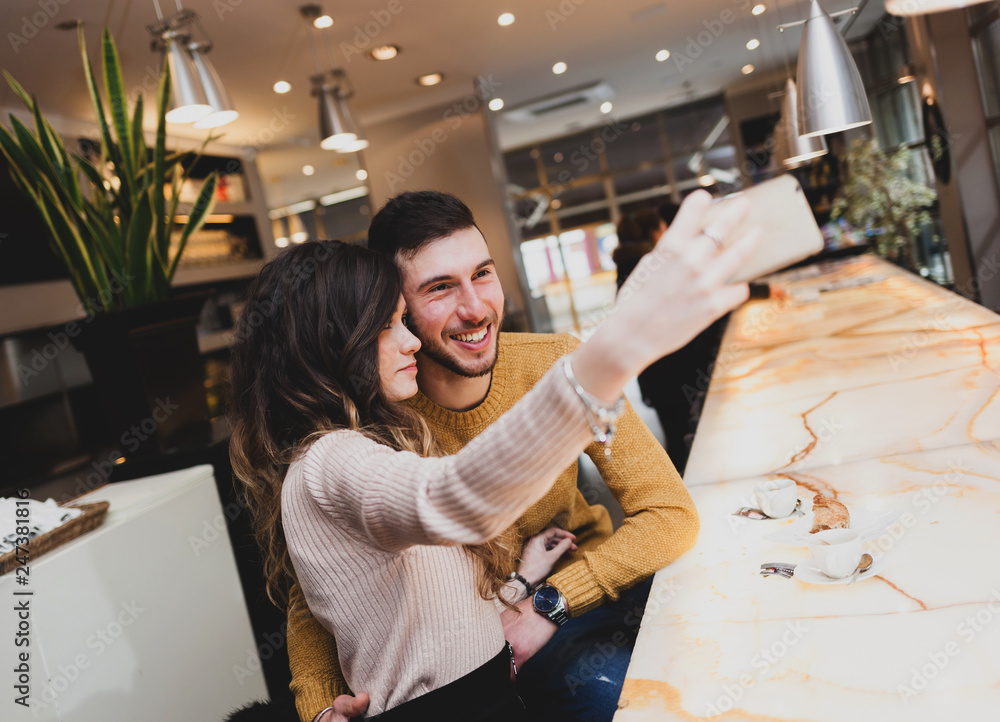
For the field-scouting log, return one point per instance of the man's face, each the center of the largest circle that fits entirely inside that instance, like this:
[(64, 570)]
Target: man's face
[(455, 302)]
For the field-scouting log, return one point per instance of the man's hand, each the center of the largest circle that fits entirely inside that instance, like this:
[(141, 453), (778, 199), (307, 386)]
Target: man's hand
[(345, 707), (527, 632)]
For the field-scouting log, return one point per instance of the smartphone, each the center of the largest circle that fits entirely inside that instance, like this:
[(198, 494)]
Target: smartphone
[(789, 231)]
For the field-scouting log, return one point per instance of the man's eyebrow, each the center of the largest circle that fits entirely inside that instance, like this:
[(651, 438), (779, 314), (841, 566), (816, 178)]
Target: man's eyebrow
[(439, 279)]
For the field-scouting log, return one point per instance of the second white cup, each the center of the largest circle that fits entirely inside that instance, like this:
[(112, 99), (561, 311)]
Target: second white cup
[(776, 497)]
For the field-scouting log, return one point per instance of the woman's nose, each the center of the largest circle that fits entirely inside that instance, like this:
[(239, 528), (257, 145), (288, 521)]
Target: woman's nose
[(410, 343)]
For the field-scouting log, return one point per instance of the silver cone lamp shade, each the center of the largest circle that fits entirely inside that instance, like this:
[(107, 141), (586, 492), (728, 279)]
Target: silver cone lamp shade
[(359, 142), (800, 148), (780, 137), (222, 107), (905, 8), (188, 102), (333, 130), (831, 95)]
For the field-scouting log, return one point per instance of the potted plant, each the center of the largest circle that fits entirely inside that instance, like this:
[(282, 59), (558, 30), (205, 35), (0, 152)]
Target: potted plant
[(880, 197), (111, 224)]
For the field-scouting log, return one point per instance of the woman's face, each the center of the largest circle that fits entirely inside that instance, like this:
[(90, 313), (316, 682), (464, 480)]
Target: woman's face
[(397, 365)]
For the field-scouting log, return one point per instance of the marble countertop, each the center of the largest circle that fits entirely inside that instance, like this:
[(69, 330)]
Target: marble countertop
[(880, 389)]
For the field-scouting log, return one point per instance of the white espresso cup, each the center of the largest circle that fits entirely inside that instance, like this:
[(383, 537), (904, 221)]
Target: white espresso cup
[(776, 497), (836, 552)]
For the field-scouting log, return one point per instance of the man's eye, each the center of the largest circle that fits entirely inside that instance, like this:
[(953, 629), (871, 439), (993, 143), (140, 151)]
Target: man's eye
[(439, 287), (483, 273)]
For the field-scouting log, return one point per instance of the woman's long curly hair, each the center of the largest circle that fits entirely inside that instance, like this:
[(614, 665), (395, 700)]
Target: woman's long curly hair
[(305, 363)]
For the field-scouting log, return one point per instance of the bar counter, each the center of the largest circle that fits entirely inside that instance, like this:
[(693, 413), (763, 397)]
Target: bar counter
[(878, 388)]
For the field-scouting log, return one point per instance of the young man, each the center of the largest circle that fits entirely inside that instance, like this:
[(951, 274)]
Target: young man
[(574, 636)]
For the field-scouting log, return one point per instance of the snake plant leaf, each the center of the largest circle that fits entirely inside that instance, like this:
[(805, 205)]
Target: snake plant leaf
[(138, 253), (107, 145), (114, 84), (160, 169), (53, 147), (138, 141), (203, 205)]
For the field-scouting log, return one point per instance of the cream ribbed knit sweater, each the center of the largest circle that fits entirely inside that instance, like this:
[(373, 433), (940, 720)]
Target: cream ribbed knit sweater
[(373, 535)]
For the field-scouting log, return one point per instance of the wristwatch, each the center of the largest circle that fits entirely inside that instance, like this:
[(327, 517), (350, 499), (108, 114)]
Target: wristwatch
[(549, 602)]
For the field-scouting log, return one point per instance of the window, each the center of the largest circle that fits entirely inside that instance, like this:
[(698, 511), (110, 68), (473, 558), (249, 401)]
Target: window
[(567, 208), (985, 31)]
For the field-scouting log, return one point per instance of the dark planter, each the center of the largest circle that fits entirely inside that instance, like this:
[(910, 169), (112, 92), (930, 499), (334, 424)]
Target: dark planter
[(150, 377)]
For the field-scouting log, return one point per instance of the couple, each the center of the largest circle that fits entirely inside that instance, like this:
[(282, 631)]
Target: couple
[(396, 510)]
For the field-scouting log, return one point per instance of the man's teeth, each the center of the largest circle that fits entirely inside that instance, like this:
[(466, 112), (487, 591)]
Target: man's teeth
[(471, 337)]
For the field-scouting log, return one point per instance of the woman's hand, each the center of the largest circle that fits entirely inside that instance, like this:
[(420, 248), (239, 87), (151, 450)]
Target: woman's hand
[(542, 551), (677, 290)]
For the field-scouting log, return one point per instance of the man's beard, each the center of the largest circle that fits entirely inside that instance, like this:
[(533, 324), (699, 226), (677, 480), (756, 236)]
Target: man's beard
[(436, 351)]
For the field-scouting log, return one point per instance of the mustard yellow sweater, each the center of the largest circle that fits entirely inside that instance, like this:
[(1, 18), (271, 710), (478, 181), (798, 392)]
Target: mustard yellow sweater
[(661, 522)]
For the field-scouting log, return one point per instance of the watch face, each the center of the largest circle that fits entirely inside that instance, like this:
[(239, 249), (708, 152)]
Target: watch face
[(546, 599)]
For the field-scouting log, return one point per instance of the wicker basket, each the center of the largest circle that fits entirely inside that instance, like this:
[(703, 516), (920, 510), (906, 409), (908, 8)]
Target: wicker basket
[(91, 518)]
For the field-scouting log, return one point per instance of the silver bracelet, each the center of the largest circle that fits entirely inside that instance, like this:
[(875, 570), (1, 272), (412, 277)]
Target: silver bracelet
[(320, 714), (601, 417)]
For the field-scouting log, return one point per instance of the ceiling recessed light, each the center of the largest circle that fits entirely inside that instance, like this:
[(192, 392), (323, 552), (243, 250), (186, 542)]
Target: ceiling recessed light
[(281, 242), (308, 170), (506, 19), (747, 69), (430, 79), (706, 180), (753, 44), (606, 106), (662, 55), (556, 204), (323, 21), (282, 86), (496, 104), (384, 52), (361, 174), (758, 9), (559, 68)]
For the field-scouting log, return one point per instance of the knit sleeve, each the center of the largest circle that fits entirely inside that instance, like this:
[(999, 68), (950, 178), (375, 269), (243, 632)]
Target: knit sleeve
[(397, 499), (312, 660)]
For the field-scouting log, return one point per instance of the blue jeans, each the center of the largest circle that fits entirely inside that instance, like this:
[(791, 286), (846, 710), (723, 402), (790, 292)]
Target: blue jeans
[(578, 675)]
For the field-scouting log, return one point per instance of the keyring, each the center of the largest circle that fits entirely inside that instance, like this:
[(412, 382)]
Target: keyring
[(715, 239)]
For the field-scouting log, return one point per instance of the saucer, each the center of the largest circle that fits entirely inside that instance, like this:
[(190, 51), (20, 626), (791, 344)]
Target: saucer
[(812, 575)]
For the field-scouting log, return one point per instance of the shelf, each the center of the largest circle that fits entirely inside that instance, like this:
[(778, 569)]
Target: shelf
[(235, 209), (208, 274), (215, 341)]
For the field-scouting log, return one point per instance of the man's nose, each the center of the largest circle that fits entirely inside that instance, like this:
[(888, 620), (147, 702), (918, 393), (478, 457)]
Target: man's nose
[(470, 305)]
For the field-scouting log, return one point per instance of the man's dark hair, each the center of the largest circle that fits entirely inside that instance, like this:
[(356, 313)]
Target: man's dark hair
[(413, 218)]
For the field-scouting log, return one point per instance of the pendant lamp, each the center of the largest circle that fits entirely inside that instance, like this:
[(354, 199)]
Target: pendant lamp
[(904, 8), (333, 130), (223, 112), (831, 95), (359, 142), (800, 148), (188, 102)]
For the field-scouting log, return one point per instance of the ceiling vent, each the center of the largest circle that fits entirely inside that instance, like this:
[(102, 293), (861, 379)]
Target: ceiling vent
[(568, 100)]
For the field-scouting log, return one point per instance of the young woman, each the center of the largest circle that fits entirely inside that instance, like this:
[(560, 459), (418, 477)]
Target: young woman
[(400, 552)]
